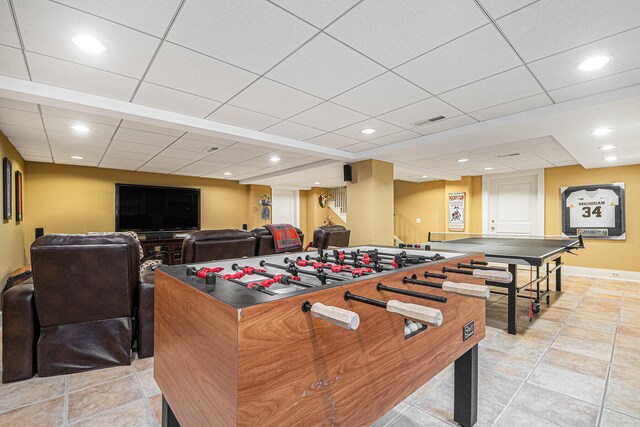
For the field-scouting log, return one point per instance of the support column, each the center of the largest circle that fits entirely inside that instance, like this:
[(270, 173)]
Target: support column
[(370, 199)]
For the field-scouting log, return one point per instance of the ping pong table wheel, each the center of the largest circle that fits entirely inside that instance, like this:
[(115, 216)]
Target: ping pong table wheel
[(536, 307)]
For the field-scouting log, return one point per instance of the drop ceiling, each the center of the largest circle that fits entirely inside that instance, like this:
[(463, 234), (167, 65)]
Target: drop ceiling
[(259, 79)]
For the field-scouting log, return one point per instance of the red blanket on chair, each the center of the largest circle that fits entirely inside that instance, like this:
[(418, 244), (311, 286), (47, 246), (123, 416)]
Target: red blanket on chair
[(285, 237)]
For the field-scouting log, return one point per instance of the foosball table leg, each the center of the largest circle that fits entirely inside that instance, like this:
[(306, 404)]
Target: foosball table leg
[(465, 406), (168, 418)]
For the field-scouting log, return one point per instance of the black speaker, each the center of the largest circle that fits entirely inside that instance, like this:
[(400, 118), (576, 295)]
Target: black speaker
[(245, 227), (39, 232), (347, 173)]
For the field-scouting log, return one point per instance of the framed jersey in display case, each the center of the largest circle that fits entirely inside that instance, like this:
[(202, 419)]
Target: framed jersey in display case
[(594, 211)]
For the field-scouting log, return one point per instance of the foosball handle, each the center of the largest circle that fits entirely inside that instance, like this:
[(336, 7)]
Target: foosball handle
[(493, 275), (425, 315), (335, 315), (467, 289)]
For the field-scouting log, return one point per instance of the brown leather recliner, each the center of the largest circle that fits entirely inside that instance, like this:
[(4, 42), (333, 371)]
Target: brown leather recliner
[(265, 244), (330, 235), (207, 245), (78, 313)]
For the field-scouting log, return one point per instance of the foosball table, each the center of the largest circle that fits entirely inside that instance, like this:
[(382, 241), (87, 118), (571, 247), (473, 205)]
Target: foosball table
[(335, 337)]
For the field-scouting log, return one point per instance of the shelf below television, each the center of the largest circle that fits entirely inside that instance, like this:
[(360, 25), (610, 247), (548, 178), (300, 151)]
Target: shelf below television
[(173, 246)]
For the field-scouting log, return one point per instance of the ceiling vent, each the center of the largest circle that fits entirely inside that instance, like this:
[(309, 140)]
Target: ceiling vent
[(508, 155), (426, 122), (211, 149)]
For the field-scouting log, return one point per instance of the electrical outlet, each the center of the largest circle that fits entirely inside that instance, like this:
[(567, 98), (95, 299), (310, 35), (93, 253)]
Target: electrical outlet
[(418, 220), (615, 274)]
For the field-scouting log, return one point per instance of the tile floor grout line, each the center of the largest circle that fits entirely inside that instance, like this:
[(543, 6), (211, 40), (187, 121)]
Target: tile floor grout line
[(100, 383), (65, 410), (146, 398), (30, 403)]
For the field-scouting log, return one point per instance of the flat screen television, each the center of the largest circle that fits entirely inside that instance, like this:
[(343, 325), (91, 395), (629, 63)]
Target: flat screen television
[(143, 208)]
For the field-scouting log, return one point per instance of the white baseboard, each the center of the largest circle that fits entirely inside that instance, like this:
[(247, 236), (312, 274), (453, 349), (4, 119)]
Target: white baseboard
[(602, 273)]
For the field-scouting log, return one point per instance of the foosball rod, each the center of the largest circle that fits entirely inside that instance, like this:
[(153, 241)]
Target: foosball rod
[(404, 254), (425, 315), (367, 260), (258, 287), (437, 298), (480, 267), (466, 289), (285, 280), (490, 275), (292, 269)]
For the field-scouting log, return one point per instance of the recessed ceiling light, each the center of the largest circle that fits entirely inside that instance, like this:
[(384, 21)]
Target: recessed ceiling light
[(594, 63), (462, 160), (316, 183), (601, 131), (368, 131), (77, 157), (226, 173), (275, 159), (425, 176), (611, 158), (607, 147), (488, 169), (88, 43), (80, 128)]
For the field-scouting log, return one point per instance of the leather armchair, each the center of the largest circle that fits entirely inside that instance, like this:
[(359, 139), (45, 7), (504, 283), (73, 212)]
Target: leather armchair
[(207, 245), (265, 244), (79, 311), (330, 235)]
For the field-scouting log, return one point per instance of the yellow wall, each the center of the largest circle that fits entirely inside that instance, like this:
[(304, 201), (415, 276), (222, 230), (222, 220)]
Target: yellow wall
[(254, 207), (75, 199), (12, 233), (607, 254), (312, 215)]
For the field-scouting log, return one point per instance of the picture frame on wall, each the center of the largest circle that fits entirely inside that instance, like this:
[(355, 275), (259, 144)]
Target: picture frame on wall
[(594, 211), (19, 214), (7, 175)]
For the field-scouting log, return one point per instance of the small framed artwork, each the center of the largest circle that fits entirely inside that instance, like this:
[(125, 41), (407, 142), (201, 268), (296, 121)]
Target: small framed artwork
[(7, 175), (18, 196)]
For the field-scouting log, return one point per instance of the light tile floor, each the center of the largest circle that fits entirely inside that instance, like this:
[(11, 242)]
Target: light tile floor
[(574, 365)]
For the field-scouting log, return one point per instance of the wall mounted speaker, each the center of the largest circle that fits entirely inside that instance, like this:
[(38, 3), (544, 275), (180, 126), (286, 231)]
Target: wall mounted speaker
[(39, 232), (347, 173), (245, 227)]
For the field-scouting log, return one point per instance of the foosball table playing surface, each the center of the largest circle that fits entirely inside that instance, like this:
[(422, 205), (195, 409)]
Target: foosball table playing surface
[(334, 337)]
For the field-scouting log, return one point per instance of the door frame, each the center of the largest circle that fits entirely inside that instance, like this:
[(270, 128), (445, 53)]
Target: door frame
[(486, 197)]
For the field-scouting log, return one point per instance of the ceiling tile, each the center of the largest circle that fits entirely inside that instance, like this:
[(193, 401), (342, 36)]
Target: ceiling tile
[(27, 151), (64, 159), (499, 8), (130, 165), (150, 16), (443, 125), (512, 107), (382, 129), (252, 34), (18, 105), (151, 128), (394, 32), (603, 84), (79, 115), (332, 140), (423, 110), (293, 130), (47, 27), (317, 13), (192, 72), (474, 56), (70, 149), (187, 144), (560, 70), (157, 168), (508, 86), (328, 117), (135, 148), (325, 68), (62, 138), (237, 116), (174, 100), (141, 137), (20, 118), (8, 34), (236, 153), (12, 63), (548, 26), (78, 77), (381, 94), (183, 154), (30, 143), (275, 99), (112, 155), (174, 163), (41, 159), (361, 146), (63, 124), (403, 135), (199, 168), (11, 131)]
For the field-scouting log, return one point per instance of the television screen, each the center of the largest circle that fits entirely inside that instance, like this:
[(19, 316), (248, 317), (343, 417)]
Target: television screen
[(147, 208)]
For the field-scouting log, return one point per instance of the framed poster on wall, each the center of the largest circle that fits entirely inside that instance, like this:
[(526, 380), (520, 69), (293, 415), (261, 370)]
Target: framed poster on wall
[(594, 211), (18, 196), (7, 175), (456, 211)]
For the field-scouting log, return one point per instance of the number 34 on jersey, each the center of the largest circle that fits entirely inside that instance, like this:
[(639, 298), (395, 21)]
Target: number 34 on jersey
[(593, 209)]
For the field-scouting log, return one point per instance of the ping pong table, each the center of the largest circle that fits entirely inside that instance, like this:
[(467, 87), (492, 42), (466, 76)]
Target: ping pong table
[(514, 250)]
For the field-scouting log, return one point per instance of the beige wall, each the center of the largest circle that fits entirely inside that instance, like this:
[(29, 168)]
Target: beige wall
[(607, 254), (254, 207), (12, 233), (74, 199)]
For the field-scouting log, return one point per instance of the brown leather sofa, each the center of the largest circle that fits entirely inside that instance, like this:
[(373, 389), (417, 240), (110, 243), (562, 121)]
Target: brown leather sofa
[(78, 313), (265, 244), (207, 245), (330, 235)]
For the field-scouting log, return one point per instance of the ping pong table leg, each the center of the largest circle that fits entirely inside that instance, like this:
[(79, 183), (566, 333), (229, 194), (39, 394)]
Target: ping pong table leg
[(512, 327), (558, 275), (465, 390), (168, 417)]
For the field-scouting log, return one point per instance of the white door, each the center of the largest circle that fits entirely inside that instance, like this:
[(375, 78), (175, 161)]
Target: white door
[(515, 203), (285, 206)]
